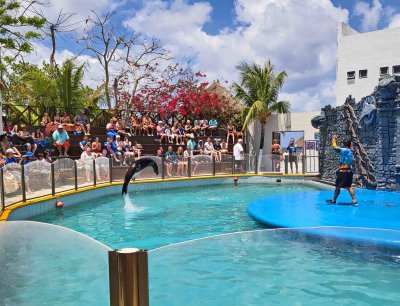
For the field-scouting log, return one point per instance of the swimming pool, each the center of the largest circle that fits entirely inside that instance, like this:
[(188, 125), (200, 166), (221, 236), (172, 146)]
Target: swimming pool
[(170, 216)]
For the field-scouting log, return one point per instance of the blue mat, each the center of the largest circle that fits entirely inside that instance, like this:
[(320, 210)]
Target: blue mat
[(376, 209)]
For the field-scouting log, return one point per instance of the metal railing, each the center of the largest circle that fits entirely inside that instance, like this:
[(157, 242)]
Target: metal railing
[(36, 179)]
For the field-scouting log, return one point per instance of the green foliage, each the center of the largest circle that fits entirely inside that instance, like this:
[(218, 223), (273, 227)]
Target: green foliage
[(259, 89), (15, 23)]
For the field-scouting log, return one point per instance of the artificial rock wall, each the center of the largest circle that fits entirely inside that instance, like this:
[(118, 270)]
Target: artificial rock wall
[(373, 124)]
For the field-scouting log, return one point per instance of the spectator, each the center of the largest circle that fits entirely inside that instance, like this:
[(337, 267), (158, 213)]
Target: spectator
[(120, 149), (217, 151), (276, 156), (212, 125), (109, 145), (45, 120), (41, 157), (129, 152), (11, 156), (11, 129), (147, 125), (168, 132), (170, 160), (181, 133), (196, 127), (292, 151), (87, 154), (203, 127), (47, 157), (208, 147), (57, 118), (2, 158), (6, 144), (161, 132), (65, 119), (191, 143), (137, 149), (181, 167), (39, 139), (230, 132), (175, 134), (188, 128), (84, 143), (28, 158), (111, 128), (26, 139), (78, 127), (238, 154), (239, 132), (189, 153), (84, 121), (120, 125), (61, 140), (199, 147), (97, 148), (160, 151), (224, 147)]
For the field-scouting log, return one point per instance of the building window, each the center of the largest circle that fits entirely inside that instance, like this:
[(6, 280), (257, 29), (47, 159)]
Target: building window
[(384, 71), (362, 74), (351, 75), (396, 69)]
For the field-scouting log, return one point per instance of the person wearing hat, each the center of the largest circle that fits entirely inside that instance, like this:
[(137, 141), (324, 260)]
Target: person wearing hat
[(11, 156), (238, 154), (26, 139), (84, 121), (28, 158), (61, 140)]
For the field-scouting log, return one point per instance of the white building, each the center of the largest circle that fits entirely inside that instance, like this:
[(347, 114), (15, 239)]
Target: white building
[(363, 58)]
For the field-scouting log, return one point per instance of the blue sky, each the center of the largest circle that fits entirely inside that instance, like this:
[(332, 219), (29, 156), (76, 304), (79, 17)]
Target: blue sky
[(299, 36)]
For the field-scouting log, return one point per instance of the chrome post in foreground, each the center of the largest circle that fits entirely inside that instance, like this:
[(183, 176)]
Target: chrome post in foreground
[(233, 165), (23, 186), (110, 170), (3, 199), (303, 161), (128, 277), (76, 174), (213, 165), (163, 166), (189, 168), (53, 180), (94, 173), (286, 164), (256, 164)]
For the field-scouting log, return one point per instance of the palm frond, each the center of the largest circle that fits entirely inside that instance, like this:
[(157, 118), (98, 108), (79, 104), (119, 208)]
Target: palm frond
[(280, 107), (254, 113)]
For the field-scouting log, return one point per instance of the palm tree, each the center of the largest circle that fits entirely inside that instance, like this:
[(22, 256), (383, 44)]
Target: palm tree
[(259, 89)]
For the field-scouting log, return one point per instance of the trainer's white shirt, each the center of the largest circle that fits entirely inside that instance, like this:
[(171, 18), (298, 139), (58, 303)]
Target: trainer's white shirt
[(238, 151)]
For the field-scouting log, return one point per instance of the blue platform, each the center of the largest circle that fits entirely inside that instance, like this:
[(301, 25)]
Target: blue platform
[(376, 209)]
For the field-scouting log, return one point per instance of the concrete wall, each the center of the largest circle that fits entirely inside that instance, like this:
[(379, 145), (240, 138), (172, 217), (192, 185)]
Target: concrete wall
[(358, 51)]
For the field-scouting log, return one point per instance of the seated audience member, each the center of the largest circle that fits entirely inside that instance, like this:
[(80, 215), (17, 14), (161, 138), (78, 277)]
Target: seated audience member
[(212, 125), (168, 132), (120, 149), (203, 127), (239, 132), (45, 120), (147, 125), (196, 127), (224, 147), (39, 139), (84, 143), (161, 132), (111, 128), (189, 153), (191, 143), (181, 133), (208, 147), (61, 140), (175, 134), (11, 156), (97, 148), (6, 144), (2, 158), (137, 149), (95, 151), (160, 151), (120, 125), (199, 147), (29, 157), (26, 139), (129, 152), (57, 118), (188, 128), (217, 151), (78, 127), (84, 121), (170, 160), (87, 166), (47, 157), (230, 132), (109, 145), (181, 167), (87, 154), (11, 130), (65, 119), (135, 126)]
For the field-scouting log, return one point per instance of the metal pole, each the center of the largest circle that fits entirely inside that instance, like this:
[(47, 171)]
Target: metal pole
[(53, 181), (76, 174), (128, 277), (303, 159), (94, 173), (23, 186), (3, 199), (256, 165), (213, 165), (286, 164), (233, 164), (189, 168), (163, 166), (110, 169)]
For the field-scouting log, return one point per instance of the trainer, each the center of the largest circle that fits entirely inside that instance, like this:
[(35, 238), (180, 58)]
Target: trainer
[(344, 175)]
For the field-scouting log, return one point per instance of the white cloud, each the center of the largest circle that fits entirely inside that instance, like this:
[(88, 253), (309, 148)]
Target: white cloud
[(298, 36), (370, 14), (395, 22)]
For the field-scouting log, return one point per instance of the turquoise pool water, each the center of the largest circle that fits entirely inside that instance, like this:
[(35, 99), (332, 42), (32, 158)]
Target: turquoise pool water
[(167, 216), (275, 267)]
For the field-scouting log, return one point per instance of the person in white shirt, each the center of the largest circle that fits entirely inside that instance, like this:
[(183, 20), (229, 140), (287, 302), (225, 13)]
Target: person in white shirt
[(189, 153), (86, 158), (208, 147), (238, 154)]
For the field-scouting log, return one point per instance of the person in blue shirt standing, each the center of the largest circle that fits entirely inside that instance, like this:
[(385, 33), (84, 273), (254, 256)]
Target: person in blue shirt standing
[(344, 175), (292, 151)]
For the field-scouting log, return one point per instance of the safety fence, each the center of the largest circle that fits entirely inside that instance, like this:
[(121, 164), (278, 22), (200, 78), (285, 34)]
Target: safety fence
[(38, 178)]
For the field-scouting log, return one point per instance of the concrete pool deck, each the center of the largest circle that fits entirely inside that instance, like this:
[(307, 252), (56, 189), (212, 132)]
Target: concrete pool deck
[(376, 209)]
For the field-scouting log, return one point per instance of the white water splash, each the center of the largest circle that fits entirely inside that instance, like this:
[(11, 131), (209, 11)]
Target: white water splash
[(130, 206)]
